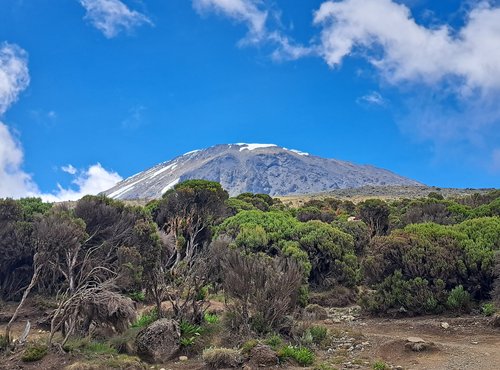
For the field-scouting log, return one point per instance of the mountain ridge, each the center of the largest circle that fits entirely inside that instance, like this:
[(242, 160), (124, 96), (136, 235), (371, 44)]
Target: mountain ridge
[(257, 168)]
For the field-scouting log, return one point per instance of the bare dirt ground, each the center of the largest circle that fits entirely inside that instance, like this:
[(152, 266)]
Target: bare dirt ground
[(470, 342)]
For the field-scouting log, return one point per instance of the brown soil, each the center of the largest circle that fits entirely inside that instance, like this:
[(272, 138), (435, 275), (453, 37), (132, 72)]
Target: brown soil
[(469, 342)]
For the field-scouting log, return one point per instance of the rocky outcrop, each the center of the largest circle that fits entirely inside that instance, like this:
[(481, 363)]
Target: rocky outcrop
[(159, 342)]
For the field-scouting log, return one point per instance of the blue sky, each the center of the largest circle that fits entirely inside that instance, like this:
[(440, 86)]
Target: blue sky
[(92, 91)]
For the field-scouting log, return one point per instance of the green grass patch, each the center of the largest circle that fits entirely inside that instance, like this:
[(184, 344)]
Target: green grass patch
[(380, 365), (88, 347), (488, 309), (189, 333), (302, 355), (137, 296), (34, 352), (274, 341), (247, 347), (318, 333), (146, 319), (211, 318)]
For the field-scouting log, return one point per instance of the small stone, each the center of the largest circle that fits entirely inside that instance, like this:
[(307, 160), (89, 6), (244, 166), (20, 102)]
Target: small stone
[(417, 344), (474, 342), (415, 340), (183, 358), (445, 325)]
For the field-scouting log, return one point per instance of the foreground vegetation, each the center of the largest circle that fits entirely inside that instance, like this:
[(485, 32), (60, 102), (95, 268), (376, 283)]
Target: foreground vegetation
[(272, 265)]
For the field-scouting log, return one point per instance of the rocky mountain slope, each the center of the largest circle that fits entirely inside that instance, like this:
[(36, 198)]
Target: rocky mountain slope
[(257, 168)]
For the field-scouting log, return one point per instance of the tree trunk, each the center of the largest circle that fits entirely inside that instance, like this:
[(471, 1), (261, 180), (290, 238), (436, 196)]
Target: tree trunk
[(33, 282)]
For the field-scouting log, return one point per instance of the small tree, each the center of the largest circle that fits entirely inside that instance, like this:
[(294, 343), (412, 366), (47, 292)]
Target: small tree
[(262, 290), (186, 213), (375, 213)]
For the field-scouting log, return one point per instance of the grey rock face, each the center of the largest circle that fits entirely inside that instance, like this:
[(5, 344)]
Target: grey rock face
[(256, 168), (159, 342)]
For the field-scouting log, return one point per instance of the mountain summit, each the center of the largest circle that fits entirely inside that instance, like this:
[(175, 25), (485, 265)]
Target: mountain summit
[(256, 168)]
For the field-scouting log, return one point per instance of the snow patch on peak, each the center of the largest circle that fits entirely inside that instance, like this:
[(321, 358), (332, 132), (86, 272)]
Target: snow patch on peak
[(169, 167), (298, 152), (192, 152), (170, 185), (251, 147)]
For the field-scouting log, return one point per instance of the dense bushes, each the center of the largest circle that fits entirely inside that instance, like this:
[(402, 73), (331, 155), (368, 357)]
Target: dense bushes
[(323, 250), (421, 255), (424, 267)]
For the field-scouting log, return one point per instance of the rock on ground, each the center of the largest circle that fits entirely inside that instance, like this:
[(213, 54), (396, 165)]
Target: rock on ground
[(159, 342), (263, 355)]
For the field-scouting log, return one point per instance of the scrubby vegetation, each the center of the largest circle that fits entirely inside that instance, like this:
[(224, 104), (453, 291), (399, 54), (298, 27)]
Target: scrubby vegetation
[(96, 260)]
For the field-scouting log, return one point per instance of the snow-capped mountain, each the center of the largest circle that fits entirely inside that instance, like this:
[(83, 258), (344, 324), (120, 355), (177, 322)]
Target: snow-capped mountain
[(257, 168)]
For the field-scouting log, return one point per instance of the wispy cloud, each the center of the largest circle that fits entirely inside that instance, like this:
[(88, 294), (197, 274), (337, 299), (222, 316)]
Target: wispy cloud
[(250, 12), (112, 16), (69, 169), (372, 98), (135, 118), (14, 181), (257, 15)]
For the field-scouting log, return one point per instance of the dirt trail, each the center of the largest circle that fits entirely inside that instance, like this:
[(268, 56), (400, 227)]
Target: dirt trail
[(468, 343)]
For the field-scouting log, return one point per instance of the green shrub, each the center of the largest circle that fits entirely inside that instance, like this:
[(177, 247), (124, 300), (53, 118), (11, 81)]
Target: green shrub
[(249, 345), (89, 347), (217, 358), (303, 356), (459, 299), (318, 333), (324, 366), (380, 365), (137, 296), (189, 333), (211, 318), (274, 341), (34, 353), (146, 319), (488, 309)]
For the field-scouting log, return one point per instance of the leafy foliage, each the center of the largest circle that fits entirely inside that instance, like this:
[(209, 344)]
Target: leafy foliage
[(34, 352), (303, 356)]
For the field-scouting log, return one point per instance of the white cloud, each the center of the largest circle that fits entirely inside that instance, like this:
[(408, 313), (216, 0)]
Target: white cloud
[(69, 169), (91, 181), (112, 16), (249, 12), (409, 51), (372, 98), (14, 181), (447, 79), (14, 76), (256, 14)]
